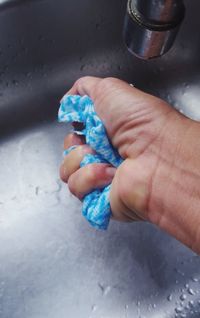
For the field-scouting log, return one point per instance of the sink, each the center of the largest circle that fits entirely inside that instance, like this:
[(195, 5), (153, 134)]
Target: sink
[(52, 263)]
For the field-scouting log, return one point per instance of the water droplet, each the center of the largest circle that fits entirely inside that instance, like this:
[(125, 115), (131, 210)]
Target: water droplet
[(25, 50), (15, 82), (138, 303), (82, 67), (183, 316), (94, 308), (195, 279), (186, 286), (169, 298), (154, 306), (179, 271), (178, 310), (126, 311), (105, 289), (40, 37), (191, 303), (37, 190), (183, 297), (5, 68), (191, 291), (169, 99), (186, 85)]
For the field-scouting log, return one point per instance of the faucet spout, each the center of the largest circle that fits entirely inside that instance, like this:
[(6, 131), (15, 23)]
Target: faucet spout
[(151, 26)]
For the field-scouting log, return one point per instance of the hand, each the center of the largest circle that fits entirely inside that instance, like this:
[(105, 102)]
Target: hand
[(159, 178)]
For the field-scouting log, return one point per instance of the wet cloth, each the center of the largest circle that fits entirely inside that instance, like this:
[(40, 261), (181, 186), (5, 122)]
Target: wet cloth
[(74, 108)]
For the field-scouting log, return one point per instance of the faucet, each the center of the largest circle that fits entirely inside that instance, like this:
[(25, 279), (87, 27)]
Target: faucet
[(151, 26)]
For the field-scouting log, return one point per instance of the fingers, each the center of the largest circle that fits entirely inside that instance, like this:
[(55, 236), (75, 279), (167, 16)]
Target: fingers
[(73, 140), (90, 177), (85, 86), (83, 180), (73, 160)]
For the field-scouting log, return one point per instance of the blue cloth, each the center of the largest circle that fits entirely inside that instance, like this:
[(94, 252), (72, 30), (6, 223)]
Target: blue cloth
[(74, 108)]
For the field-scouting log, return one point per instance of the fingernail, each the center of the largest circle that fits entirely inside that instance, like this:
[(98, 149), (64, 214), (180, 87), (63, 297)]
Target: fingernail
[(110, 171)]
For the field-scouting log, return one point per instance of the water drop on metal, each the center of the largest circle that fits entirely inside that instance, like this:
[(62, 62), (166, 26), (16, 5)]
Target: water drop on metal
[(178, 310), (191, 291), (94, 308), (191, 303), (183, 297)]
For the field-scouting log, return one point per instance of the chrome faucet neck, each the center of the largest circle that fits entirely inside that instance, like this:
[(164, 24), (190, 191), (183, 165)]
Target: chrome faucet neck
[(151, 26)]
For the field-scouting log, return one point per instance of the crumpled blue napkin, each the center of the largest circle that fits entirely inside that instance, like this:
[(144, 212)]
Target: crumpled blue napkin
[(75, 108)]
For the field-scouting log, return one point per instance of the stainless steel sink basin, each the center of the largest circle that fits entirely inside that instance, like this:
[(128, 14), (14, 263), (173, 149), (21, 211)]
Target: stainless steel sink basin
[(52, 263)]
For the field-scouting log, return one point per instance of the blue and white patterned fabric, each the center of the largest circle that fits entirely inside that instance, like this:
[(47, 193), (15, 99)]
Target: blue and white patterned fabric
[(74, 108)]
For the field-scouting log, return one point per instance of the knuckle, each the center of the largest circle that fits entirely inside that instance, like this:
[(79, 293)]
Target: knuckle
[(79, 152), (109, 81), (78, 81), (72, 186), (81, 80), (68, 139), (105, 85), (73, 140), (90, 173), (63, 173)]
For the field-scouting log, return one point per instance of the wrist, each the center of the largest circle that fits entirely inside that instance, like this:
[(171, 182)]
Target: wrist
[(175, 197)]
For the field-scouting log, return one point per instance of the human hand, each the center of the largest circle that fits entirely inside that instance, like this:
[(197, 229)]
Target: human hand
[(155, 142)]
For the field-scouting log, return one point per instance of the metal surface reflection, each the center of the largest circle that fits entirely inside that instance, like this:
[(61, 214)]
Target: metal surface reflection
[(52, 263)]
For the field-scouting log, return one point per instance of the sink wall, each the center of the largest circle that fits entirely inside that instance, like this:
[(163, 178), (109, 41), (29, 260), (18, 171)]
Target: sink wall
[(52, 263)]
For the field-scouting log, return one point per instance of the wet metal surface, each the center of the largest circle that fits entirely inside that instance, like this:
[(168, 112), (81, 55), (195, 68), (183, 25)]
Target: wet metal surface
[(52, 263)]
